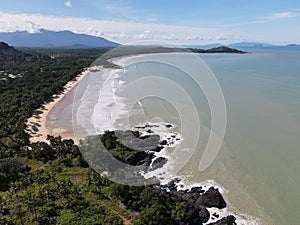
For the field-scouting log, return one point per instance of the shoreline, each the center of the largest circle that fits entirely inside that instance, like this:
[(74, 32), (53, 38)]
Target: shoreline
[(37, 124), (43, 130)]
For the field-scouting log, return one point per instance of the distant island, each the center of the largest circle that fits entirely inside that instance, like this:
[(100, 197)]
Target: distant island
[(221, 49), (293, 45)]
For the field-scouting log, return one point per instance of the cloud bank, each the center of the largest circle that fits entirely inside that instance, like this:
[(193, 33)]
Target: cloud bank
[(120, 31)]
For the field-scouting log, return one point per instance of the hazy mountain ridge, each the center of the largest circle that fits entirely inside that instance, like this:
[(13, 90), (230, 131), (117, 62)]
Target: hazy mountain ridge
[(47, 38)]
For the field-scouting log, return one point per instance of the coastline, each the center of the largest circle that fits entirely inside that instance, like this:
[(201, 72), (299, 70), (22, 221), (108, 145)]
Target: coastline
[(40, 135), (37, 126)]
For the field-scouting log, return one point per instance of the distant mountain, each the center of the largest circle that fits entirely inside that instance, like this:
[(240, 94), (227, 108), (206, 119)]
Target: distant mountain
[(293, 45), (47, 38), (248, 44)]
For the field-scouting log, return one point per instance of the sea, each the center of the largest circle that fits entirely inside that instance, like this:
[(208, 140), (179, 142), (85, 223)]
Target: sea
[(257, 162)]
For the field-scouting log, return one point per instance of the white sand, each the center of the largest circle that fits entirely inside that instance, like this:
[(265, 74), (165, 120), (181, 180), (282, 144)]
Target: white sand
[(36, 125)]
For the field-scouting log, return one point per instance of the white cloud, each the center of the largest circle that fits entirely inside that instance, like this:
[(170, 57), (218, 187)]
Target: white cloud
[(68, 3), (94, 31), (120, 31), (283, 15), (146, 35), (32, 27), (221, 37), (120, 36)]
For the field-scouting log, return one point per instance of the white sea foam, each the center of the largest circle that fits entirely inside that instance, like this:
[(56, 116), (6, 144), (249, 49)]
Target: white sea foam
[(165, 175), (101, 106)]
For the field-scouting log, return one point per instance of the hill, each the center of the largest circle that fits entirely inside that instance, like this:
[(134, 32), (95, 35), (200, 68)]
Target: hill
[(47, 38), (293, 45), (221, 49)]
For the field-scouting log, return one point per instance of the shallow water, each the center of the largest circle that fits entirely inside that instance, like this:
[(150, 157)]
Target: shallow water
[(262, 92), (258, 163)]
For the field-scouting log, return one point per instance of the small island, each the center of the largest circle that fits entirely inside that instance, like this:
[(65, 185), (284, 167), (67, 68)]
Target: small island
[(221, 49), (293, 45)]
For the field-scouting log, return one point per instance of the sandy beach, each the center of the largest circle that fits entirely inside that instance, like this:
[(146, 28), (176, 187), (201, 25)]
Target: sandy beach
[(37, 124)]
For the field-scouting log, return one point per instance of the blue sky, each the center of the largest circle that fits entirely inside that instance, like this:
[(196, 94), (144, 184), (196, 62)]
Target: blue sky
[(184, 22)]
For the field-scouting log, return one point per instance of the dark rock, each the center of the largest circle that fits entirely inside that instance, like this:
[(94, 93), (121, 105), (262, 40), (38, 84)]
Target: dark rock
[(145, 137), (216, 215), (159, 162), (169, 125), (196, 215), (133, 140), (190, 198), (163, 142), (147, 161), (136, 133), (203, 214), (211, 198), (229, 220), (158, 148), (136, 158), (34, 128), (197, 190), (171, 185)]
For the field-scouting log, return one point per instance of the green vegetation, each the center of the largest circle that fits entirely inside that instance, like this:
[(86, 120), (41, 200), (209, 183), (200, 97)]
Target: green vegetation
[(43, 72), (51, 183), (44, 183)]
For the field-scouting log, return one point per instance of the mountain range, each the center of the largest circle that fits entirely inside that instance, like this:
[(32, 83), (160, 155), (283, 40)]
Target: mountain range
[(47, 38)]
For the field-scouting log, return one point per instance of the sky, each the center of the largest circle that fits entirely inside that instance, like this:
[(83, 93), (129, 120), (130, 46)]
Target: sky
[(174, 21)]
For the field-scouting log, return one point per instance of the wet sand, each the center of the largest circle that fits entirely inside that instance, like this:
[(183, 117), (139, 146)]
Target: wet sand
[(37, 125)]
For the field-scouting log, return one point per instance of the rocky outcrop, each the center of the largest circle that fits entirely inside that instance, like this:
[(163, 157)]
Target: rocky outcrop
[(158, 163), (229, 220), (134, 140), (211, 198), (137, 158), (203, 214)]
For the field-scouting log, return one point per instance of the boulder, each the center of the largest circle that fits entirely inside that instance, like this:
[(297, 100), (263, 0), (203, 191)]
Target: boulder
[(197, 190), (137, 158), (203, 214), (158, 163), (211, 198), (163, 142), (229, 220)]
